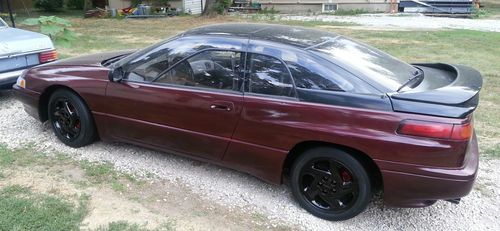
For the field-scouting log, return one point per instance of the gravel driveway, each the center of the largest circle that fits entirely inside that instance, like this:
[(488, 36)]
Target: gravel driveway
[(408, 21), (238, 191)]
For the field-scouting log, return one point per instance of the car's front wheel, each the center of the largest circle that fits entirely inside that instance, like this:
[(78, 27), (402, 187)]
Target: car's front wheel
[(70, 119), (330, 183)]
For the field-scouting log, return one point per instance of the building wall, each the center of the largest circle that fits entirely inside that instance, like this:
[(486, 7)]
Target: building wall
[(176, 4), (293, 8), (372, 7), (297, 8), (119, 4)]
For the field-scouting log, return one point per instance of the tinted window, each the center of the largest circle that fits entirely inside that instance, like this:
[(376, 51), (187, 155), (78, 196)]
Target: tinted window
[(208, 69), (373, 63), (309, 74), (148, 66), (268, 76)]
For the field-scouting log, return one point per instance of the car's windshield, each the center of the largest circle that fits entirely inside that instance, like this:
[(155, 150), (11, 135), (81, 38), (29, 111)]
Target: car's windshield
[(371, 62)]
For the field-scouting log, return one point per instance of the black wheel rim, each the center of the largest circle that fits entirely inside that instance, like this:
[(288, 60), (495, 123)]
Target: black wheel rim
[(66, 120), (328, 185)]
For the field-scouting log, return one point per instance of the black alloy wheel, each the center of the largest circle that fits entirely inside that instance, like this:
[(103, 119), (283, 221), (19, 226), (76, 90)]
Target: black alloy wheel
[(330, 184), (70, 119), (66, 119)]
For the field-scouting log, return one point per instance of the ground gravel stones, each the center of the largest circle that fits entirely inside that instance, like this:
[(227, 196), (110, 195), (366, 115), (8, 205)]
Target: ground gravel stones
[(404, 21), (238, 191)]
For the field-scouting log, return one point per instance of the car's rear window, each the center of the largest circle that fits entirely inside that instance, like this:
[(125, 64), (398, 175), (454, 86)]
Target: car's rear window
[(371, 62)]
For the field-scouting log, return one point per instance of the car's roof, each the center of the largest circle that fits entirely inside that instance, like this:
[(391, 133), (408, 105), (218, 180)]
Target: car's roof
[(296, 36)]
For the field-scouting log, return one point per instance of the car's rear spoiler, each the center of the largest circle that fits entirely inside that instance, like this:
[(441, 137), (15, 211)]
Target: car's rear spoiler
[(457, 99)]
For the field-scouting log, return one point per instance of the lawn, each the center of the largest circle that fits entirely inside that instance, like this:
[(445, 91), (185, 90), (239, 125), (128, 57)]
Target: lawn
[(51, 191)]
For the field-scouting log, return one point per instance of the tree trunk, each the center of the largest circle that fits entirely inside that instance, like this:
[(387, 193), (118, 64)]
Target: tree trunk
[(87, 5), (209, 9)]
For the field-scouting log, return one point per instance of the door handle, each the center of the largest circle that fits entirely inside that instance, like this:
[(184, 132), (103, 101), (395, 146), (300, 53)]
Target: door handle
[(220, 107)]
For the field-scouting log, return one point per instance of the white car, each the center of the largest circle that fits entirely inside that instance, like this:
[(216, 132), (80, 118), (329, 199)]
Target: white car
[(20, 50)]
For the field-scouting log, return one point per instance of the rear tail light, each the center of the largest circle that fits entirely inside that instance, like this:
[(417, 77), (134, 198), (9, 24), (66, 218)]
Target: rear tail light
[(47, 56), (435, 130), (462, 131)]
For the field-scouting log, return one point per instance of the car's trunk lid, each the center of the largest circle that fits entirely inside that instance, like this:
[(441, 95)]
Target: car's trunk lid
[(447, 90), (22, 41)]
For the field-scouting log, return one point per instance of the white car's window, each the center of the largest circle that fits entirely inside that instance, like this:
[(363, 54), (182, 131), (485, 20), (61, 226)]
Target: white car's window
[(2, 23)]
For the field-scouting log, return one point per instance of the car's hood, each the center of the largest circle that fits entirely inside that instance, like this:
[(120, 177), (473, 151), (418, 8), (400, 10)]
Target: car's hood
[(15, 41), (89, 60)]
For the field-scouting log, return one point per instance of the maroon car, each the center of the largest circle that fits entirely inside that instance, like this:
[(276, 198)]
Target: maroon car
[(340, 119)]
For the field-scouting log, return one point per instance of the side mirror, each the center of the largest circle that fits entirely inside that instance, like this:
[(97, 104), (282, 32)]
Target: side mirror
[(116, 75)]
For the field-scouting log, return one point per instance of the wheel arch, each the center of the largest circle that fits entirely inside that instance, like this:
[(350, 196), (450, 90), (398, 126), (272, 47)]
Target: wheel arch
[(362, 157), (43, 103)]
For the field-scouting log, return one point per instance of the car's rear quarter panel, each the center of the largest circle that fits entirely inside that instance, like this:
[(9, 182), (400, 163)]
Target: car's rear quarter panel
[(270, 128), (282, 124)]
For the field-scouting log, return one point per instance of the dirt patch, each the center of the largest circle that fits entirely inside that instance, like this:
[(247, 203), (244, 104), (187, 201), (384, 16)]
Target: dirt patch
[(149, 204)]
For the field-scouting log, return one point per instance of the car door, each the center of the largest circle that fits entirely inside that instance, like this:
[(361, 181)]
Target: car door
[(191, 107), (259, 141)]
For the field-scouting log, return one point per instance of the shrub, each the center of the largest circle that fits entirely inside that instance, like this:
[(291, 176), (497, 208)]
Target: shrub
[(75, 4), (222, 5), (49, 5), (56, 28)]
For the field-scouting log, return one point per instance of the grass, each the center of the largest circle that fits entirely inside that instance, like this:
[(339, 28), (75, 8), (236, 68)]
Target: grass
[(493, 151), (490, 9), (105, 173), (126, 226), (21, 157), (21, 209)]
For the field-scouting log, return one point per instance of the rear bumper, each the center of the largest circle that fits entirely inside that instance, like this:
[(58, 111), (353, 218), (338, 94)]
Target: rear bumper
[(29, 99), (418, 186), (7, 79)]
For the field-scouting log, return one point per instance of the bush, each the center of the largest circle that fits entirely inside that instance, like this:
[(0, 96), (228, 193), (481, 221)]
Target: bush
[(49, 5), (75, 4), (56, 28), (222, 5)]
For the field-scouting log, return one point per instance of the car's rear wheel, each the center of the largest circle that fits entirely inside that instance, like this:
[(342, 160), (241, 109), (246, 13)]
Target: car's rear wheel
[(330, 183), (70, 119)]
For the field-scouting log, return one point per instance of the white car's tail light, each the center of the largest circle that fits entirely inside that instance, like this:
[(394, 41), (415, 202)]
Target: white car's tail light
[(47, 56)]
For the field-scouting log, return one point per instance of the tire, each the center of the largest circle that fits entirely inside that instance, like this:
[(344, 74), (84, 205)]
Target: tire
[(71, 120), (330, 184)]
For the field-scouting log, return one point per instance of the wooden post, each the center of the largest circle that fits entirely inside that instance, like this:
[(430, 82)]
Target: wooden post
[(10, 13)]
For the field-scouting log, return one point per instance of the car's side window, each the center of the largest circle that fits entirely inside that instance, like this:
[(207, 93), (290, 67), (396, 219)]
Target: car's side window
[(208, 69), (268, 75), (147, 67), (308, 74)]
